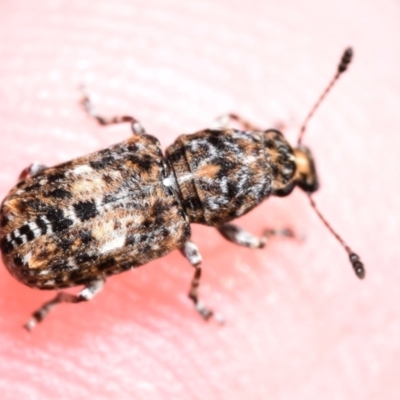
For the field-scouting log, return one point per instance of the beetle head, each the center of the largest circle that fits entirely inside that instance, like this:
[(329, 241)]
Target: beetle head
[(306, 175)]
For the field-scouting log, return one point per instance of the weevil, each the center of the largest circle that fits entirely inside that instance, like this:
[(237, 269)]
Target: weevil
[(105, 213)]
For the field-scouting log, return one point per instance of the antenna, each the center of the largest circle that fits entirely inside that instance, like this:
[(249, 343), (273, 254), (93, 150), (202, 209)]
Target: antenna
[(358, 266), (344, 63)]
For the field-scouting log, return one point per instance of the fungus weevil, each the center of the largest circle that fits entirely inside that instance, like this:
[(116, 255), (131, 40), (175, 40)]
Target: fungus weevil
[(99, 215)]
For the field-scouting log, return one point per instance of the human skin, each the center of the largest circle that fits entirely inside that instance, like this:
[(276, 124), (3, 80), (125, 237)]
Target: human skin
[(299, 323)]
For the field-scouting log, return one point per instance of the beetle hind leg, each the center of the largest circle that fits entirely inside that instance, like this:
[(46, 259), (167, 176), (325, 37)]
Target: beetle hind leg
[(136, 126), (86, 294), (30, 171)]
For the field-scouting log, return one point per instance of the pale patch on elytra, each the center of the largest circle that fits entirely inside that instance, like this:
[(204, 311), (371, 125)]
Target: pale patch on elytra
[(16, 233), (115, 243), (44, 272), (27, 258), (34, 228), (82, 169)]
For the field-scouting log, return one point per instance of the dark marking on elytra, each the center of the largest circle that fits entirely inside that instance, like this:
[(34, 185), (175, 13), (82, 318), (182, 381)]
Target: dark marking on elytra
[(102, 163), (107, 179), (33, 204), (85, 236), (85, 210), (60, 265), (57, 176), (78, 276), (164, 232), (85, 257), (107, 263), (18, 261), (146, 248), (66, 243), (31, 188), (147, 223), (126, 266), (42, 225), (57, 219), (159, 219), (58, 193), (6, 246), (232, 189), (24, 205), (130, 240), (144, 162), (110, 198), (19, 241), (27, 231)]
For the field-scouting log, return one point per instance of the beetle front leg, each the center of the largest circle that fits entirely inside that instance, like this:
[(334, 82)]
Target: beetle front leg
[(31, 171), (241, 237), (86, 294), (136, 126), (192, 254)]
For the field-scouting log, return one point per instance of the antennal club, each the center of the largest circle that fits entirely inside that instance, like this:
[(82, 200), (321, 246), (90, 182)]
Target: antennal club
[(358, 266), (344, 63)]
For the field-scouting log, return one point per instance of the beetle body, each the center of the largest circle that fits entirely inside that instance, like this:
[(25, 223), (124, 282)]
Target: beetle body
[(99, 215), (121, 207)]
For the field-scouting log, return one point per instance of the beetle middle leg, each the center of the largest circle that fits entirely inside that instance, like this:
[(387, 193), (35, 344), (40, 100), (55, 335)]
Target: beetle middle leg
[(136, 126), (192, 254), (241, 237), (224, 120), (86, 294)]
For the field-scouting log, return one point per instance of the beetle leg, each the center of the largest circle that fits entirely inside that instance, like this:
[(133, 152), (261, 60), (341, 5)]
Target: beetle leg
[(224, 120), (86, 294), (136, 126), (243, 238), (30, 171), (192, 254)]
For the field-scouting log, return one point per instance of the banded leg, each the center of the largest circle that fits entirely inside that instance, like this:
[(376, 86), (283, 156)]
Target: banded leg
[(224, 120), (30, 171), (86, 294), (136, 126), (192, 254), (243, 238)]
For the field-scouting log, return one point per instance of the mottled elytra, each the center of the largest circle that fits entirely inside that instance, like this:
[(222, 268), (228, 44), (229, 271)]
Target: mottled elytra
[(105, 213)]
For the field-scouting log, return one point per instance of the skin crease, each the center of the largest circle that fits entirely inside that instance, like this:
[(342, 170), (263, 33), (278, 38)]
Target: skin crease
[(299, 323)]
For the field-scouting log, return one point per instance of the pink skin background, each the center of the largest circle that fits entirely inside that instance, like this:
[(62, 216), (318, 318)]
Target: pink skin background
[(300, 325)]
